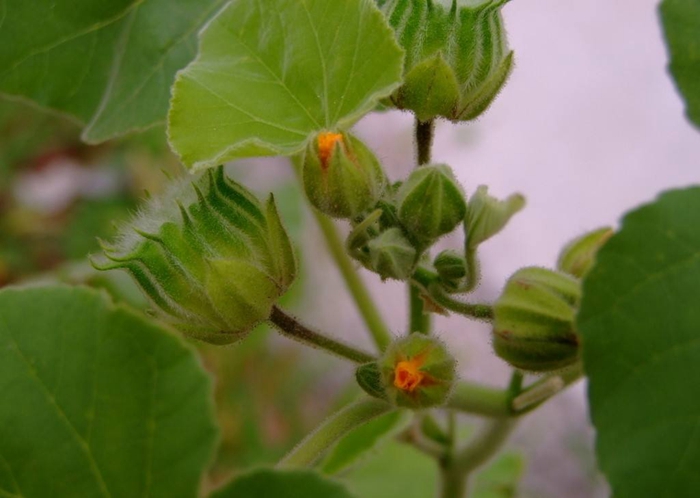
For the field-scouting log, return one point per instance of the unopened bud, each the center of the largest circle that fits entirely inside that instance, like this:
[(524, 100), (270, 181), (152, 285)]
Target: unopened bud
[(534, 318), (486, 215), (430, 203), (342, 177), (451, 267), (579, 255), (391, 255), (416, 372), (209, 255), (457, 57)]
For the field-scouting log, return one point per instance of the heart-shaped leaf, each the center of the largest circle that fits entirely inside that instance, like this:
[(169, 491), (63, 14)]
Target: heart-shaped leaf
[(270, 73)]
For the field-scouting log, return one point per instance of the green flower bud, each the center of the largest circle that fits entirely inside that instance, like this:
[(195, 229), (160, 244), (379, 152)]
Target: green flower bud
[(416, 372), (342, 177), (209, 255), (578, 256), (430, 203), (534, 318), (391, 255), (457, 58), (486, 215), (451, 267)]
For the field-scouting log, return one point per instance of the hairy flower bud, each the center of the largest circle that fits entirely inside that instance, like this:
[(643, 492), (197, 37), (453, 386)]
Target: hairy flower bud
[(486, 215), (209, 255), (451, 267), (457, 58), (534, 318), (391, 255), (416, 372), (430, 203), (579, 255), (342, 177)]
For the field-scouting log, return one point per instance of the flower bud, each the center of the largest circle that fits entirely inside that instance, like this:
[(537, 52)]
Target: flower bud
[(451, 267), (391, 255), (416, 372), (209, 255), (579, 255), (342, 177), (534, 318), (430, 203), (486, 215), (457, 58)]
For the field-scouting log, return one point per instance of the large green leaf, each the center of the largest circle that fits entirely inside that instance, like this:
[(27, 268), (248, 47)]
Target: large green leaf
[(640, 323), (398, 469), (96, 401), (269, 483), (681, 22), (109, 64), (270, 73)]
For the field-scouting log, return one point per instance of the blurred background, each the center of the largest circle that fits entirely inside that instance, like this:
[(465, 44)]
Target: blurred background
[(589, 126)]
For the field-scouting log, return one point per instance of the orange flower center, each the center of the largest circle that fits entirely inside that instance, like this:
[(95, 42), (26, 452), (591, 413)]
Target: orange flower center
[(326, 144), (407, 375)]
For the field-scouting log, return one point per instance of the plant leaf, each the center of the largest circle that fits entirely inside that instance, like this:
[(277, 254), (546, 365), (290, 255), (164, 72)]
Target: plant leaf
[(269, 483), (270, 73), (640, 324), (107, 64), (363, 440), (96, 401), (681, 22)]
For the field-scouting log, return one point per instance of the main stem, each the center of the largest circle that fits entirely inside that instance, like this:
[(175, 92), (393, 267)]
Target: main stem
[(363, 300), (419, 320), (290, 327), (335, 427)]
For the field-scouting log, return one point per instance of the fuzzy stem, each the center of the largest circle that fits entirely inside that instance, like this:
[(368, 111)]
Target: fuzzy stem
[(419, 320), (480, 400), (477, 311), (290, 327), (330, 431), (424, 140), (485, 445)]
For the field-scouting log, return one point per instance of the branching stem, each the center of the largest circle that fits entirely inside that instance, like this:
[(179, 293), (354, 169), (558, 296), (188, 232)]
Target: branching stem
[(290, 327)]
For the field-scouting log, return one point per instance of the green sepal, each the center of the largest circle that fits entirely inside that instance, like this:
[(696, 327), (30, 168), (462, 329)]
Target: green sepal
[(431, 203), (391, 255), (344, 178), (451, 267), (487, 215), (430, 89), (578, 256), (457, 57), (533, 326), (369, 378), (211, 257)]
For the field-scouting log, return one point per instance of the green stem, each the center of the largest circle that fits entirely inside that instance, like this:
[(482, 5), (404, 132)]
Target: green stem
[(290, 327), (541, 391), (365, 304), (419, 320), (453, 484), (477, 311), (480, 400), (485, 445), (335, 427)]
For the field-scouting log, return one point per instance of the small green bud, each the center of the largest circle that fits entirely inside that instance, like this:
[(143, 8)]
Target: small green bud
[(457, 58), (486, 215), (342, 177), (430, 203), (415, 371), (209, 255), (578, 256), (533, 326), (391, 255), (451, 267)]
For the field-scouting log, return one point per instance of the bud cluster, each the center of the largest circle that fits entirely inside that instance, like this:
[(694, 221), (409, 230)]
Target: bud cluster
[(209, 255)]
